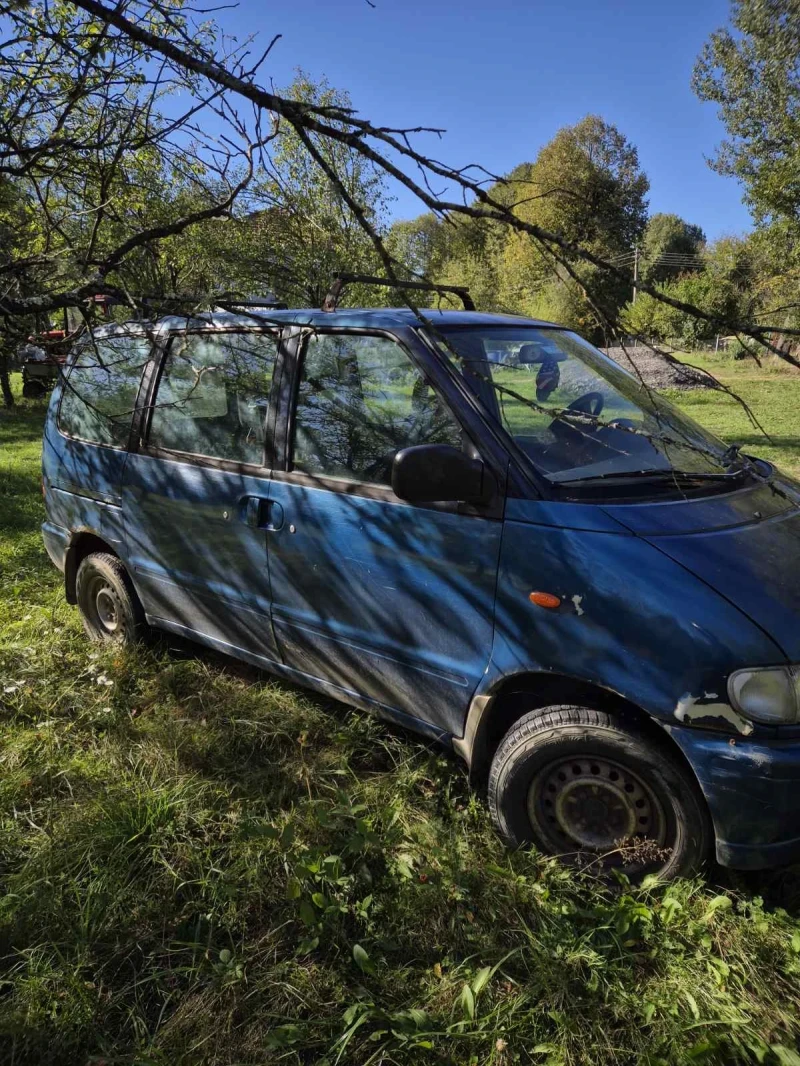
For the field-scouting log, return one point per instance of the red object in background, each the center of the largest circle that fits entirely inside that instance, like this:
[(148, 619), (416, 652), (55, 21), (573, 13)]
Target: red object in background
[(48, 335), (48, 340)]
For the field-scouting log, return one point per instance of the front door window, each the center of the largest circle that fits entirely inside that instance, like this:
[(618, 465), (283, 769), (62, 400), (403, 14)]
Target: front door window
[(360, 401)]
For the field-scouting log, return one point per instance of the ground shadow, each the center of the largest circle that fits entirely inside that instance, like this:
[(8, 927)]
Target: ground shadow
[(758, 440), (778, 888)]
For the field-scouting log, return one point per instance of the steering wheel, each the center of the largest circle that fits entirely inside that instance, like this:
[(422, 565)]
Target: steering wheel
[(591, 403)]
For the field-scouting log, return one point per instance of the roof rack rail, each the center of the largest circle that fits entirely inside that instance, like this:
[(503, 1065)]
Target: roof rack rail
[(221, 300), (334, 292), (274, 305)]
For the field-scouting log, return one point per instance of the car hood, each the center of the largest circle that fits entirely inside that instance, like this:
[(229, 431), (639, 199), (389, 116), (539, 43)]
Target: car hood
[(745, 545)]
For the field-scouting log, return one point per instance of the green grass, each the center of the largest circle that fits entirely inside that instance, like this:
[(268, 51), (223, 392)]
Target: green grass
[(200, 865), (771, 391)]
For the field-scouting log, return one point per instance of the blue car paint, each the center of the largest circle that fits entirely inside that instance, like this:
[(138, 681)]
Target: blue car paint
[(392, 600), (751, 564), (744, 507), (84, 482), (752, 788), (623, 602), (661, 601), (195, 560)]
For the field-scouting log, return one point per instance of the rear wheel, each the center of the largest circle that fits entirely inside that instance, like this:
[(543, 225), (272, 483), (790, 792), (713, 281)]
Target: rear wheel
[(110, 609), (575, 783), (32, 388)]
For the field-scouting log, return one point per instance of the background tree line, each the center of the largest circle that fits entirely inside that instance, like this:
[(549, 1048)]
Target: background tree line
[(103, 189)]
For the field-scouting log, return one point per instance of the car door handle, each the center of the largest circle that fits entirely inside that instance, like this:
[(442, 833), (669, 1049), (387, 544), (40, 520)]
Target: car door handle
[(263, 513)]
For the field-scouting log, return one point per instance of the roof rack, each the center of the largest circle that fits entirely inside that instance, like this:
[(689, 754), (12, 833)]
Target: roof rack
[(337, 285), (274, 305), (222, 301)]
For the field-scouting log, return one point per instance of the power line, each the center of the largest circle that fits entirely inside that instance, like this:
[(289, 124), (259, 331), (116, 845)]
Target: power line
[(676, 260), (672, 257)]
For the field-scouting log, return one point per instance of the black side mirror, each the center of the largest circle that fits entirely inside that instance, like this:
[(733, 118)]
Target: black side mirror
[(429, 472)]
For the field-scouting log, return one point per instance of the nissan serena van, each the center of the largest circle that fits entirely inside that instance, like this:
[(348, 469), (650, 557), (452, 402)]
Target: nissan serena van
[(478, 526)]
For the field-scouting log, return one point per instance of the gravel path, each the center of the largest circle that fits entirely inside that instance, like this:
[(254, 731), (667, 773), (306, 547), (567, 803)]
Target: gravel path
[(656, 371)]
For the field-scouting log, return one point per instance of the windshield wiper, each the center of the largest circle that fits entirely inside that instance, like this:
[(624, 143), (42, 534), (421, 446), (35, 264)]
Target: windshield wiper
[(656, 475)]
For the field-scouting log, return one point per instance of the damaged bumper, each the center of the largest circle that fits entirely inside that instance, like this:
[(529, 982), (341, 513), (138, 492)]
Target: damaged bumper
[(752, 786)]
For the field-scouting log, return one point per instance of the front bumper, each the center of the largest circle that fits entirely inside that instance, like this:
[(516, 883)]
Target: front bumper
[(752, 786)]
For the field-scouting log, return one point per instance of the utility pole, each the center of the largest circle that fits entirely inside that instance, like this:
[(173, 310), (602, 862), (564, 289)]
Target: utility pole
[(635, 269)]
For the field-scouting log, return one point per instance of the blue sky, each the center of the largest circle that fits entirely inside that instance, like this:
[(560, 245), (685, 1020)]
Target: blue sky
[(502, 76)]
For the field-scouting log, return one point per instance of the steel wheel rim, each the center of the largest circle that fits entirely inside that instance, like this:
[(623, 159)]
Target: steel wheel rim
[(594, 805), (103, 608)]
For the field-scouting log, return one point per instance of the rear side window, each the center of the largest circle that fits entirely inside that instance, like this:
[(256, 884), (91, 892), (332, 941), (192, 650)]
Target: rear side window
[(213, 395), (361, 400), (100, 391)]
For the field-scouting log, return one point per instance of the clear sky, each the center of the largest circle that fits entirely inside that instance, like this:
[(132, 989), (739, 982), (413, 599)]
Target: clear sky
[(502, 76)]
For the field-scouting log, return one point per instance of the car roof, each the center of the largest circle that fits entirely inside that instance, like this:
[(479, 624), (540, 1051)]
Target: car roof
[(353, 318)]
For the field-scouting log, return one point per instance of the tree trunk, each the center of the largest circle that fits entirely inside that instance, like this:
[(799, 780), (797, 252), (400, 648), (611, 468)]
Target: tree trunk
[(5, 384)]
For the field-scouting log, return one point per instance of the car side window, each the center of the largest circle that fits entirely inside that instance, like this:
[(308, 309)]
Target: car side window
[(100, 390), (213, 395), (360, 400)]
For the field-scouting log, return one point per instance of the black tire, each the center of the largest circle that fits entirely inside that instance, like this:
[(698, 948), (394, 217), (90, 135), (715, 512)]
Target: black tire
[(110, 609), (575, 782), (32, 390)]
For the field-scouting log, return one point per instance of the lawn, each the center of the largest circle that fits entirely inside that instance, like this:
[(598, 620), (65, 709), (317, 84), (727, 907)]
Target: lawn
[(771, 392), (201, 865)]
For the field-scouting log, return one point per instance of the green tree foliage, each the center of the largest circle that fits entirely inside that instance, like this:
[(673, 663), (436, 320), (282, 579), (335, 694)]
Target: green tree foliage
[(103, 175), (586, 184), (727, 286), (304, 231), (95, 183), (751, 70), (80, 116), (775, 256), (294, 231), (669, 247), (20, 260), (421, 244), (475, 257)]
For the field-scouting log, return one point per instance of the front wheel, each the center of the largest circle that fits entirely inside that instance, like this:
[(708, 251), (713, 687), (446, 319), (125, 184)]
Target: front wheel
[(110, 609), (575, 783)]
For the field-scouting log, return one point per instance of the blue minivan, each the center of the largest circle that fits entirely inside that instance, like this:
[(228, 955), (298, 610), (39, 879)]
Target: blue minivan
[(476, 525)]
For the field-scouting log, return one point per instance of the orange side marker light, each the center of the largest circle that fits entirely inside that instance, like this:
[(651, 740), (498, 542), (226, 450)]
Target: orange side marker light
[(544, 599)]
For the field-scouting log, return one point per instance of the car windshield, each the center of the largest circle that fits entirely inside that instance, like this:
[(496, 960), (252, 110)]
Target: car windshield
[(574, 412)]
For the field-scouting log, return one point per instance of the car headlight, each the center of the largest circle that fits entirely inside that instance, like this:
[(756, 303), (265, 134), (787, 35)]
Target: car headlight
[(768, 694)]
